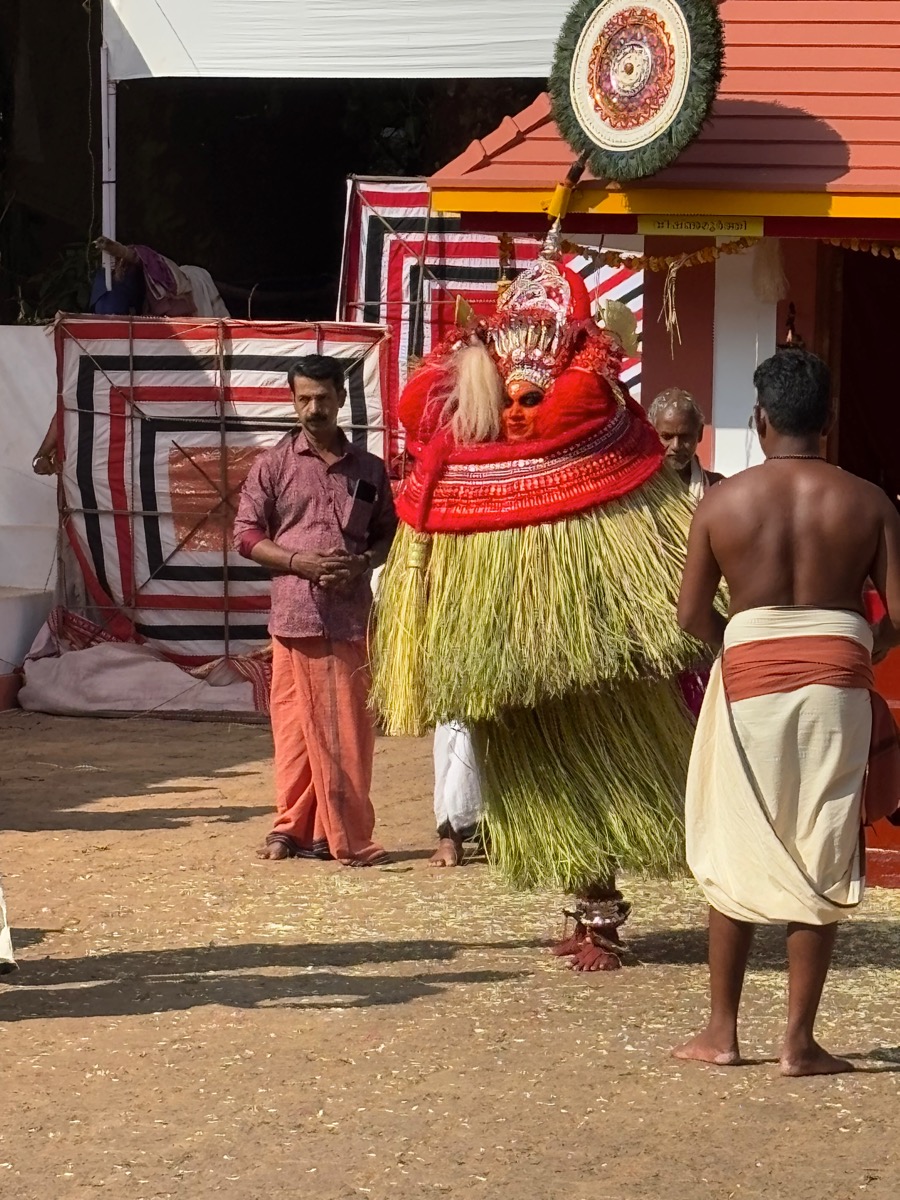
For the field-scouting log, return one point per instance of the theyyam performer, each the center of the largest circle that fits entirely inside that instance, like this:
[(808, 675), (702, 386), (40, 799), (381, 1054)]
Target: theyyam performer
[(531, 596), (531, 591)]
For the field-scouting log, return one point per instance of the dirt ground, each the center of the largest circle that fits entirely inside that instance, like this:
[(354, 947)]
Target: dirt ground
[(189, 1022)]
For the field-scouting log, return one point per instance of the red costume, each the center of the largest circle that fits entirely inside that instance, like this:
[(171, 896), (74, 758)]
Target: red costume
[(530, 595)]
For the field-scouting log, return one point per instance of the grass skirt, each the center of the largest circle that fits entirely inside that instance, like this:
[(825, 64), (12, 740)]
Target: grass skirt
[(578, 788), (470, 625)]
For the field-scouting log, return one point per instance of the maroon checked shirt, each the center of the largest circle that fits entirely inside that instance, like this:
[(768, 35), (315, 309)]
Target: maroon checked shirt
[(294, 498)]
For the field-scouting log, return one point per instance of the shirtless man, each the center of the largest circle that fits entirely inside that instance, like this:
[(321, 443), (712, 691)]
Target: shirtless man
[(774, 791)]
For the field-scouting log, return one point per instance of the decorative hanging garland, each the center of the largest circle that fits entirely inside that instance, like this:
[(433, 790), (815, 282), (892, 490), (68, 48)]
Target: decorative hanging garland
[(878, 249), (671, 265), (633, 83), (709, 254), (653, 262)]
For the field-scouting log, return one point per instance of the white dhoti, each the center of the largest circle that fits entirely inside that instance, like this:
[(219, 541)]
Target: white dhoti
[(7, 959), (457, 788), (774, 793)]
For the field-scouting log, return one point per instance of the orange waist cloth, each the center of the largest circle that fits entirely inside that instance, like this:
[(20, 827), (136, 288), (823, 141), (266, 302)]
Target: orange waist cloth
[(787, 664)]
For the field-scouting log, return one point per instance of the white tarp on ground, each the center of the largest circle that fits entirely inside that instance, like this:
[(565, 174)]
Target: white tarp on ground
[(121, 678), (28, 512), (322, 39)]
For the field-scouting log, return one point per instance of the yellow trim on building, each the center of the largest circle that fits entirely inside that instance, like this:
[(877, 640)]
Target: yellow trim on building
[(693, 226), (669, 202)]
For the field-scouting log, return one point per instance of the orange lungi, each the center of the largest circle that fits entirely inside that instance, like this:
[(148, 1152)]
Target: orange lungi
[(324, 745)]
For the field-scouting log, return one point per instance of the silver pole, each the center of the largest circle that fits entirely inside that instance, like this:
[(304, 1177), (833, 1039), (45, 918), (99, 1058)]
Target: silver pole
[(108, 150)]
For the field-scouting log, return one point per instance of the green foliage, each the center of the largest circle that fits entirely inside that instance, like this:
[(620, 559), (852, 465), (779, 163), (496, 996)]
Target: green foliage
[(64, 287)]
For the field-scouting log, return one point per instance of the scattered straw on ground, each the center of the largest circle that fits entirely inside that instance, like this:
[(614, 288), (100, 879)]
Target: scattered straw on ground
[(189, 1022)]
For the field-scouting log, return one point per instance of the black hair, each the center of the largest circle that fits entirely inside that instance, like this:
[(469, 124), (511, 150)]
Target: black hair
[(320, 367), (794, 389)]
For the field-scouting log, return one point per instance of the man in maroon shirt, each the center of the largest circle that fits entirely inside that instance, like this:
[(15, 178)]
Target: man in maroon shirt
[(318, 512)]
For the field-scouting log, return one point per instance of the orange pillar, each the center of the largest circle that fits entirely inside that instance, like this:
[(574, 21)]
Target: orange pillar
[(883, 841)]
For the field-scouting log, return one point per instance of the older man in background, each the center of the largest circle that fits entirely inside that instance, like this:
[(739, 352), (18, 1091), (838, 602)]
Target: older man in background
[(676, 417), (318, 512)]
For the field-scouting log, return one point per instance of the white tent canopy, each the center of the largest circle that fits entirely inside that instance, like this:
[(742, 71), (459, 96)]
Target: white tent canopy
[(306, 39)]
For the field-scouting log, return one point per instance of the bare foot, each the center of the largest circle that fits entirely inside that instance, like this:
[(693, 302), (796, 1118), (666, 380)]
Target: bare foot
[(273, 851), (813, 1061), (449, 853), (381, 859), (594, 958), (705, 1048)]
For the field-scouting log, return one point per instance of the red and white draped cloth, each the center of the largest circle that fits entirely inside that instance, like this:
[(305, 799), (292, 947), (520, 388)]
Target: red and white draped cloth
[(160, 420), (404, 267)]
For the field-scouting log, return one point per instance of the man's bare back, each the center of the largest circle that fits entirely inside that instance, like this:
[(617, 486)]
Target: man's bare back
[(795, 532)]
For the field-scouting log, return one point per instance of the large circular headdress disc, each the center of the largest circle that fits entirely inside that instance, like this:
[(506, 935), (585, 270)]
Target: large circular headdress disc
[(632, 84)]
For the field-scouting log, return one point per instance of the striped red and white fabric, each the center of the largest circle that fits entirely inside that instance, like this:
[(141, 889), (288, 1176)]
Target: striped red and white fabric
[(161, 420), (404, 266)]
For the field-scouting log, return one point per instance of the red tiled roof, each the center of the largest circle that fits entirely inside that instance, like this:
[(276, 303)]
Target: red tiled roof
[(810, 102)]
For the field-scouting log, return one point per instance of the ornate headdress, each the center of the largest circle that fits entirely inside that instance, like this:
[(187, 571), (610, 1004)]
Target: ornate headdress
[(538, 319), (620, 323)]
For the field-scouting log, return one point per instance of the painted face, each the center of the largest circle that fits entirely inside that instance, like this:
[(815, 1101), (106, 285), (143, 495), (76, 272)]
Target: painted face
[(680, 434), (519, 414)]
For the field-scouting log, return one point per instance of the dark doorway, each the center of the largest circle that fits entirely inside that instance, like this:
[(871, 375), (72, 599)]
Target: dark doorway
[(868, 441)]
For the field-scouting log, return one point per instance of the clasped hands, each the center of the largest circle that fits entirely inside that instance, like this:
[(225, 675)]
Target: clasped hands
[(329, 569)]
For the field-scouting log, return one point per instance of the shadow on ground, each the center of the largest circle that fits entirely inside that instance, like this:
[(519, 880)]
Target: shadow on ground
[(134, 820), (130, 983), (859, 944), (52, 769)]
